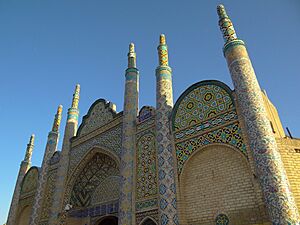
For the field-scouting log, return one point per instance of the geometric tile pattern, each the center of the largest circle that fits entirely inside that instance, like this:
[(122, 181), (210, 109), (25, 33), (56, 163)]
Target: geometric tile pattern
[(145, 113), (128, 147), (146, 204), (164, 104), (100, 113), (222, 219), (205, 114), (48, 196), (110, 140), (146, 180), (30, 181), (216, 121), (200, 104), (97, 210), (278, 197), (269, 166), (51, 147), (93, 174), (107, 191), (230, 134)]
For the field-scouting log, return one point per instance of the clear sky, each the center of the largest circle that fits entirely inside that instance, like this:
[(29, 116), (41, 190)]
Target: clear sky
[(46, 47)]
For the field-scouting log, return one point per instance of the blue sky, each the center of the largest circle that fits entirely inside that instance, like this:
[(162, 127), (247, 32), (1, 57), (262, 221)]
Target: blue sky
[(46, 47)]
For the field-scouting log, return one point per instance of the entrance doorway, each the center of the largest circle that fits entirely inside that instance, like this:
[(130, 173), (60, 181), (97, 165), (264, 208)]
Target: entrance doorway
[(110, 220), (149, 222)]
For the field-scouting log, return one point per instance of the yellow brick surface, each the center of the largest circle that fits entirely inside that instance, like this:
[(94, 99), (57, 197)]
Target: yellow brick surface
[(291, 161), (218, 179)]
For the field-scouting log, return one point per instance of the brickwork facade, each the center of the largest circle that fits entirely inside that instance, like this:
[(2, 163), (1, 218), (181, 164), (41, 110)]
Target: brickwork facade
[(218, 156)]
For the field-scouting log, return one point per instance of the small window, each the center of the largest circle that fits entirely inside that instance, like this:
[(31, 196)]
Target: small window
[(297, 150), (222, 219), (272, 127)]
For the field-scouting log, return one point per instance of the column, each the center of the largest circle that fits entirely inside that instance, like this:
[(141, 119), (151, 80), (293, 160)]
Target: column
[(126, 208), (51, 147), (269, 167), (24, 167), (164, 104)]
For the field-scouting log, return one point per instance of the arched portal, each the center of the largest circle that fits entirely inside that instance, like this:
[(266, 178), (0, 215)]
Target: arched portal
[(148, 221), (109, 220)]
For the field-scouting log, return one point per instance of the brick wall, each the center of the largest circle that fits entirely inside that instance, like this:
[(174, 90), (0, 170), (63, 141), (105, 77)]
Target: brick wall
[(218, 179), (291, 160)]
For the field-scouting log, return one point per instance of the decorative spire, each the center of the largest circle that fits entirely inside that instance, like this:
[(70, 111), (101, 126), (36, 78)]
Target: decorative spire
[(131, 56), (76, 97), (163, 51), (57, 119), (29, 149), (226, 25)]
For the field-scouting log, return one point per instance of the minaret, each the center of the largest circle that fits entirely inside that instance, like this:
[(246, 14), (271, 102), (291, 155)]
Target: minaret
[(131, 97), (164, 105), (269, 167), (24, 167), (51, 147), (70, 131)]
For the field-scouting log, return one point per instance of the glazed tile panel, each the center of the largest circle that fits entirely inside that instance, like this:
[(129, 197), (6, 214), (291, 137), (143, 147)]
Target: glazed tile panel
[(200, 104), (128, 147), (166, 178), (205, 114)]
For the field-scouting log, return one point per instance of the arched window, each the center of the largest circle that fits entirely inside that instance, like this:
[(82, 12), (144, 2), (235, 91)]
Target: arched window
[(222, 219)]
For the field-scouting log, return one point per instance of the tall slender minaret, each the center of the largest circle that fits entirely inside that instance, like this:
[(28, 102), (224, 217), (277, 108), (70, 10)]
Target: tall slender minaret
[(131, 98), (70, 131), (164, 105), (269, 167), (51, 147), (24, 167)]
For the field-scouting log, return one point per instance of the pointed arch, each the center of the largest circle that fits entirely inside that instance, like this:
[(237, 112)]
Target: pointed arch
[(96, 166), (148, 221)]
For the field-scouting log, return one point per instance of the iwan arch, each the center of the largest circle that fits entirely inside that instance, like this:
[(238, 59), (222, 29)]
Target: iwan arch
[(218, 156)]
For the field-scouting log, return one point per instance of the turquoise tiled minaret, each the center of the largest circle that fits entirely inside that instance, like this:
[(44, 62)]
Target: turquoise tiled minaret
[(70, 131), (51, 147), (269, 167), (126, 214), (24, 167), (131, 98), (164, 104)]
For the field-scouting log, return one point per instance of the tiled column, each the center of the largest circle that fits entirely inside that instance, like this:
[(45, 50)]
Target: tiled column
[(25, 165), (51, 147), (70, 131), (269, 167), (126, 209), (164, 104)]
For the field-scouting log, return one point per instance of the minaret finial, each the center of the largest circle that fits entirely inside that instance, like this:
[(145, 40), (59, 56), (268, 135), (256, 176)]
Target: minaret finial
[(163, 51), (29, 149), (76, 97), (131, 56), (226, 25), (57, 119), (162, 39)]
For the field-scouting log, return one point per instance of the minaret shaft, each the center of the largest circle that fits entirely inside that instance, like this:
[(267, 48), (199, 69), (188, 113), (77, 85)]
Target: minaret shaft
[(24, 167), (164, 104), (126, 206), (275, 186), (51, 147), (70, 131)]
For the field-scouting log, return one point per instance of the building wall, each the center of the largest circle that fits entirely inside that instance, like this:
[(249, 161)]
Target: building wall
[(217, 179), (290, 154)]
